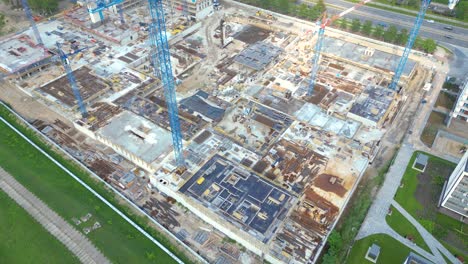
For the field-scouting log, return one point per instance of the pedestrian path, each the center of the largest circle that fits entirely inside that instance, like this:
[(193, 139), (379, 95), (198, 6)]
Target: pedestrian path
[(74, 240), (375, 222)]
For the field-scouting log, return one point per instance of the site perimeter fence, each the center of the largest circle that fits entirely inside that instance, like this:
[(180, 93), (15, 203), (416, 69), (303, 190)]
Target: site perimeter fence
[(115, 209)]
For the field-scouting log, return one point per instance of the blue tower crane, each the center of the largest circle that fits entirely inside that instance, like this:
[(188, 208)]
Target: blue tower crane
[(159, 43), (318, 45), (315, 66), (28, 12), (185, 8), (121, 14), (409, 45), (71, 77), (101, 5)]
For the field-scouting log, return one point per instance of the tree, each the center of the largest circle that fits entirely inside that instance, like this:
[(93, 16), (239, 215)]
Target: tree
[(367, 28), (344, 23), (429, 45), (294, 10), (284, 6), (402, 37), (418, 43), (461, 11), (320, 7), (390, 34), (314, 14), (355, 25), (414, 3), (45, 6), (275, 5), (2, 22), (265, 4), (335, 241), (378, 32), (303, 11)]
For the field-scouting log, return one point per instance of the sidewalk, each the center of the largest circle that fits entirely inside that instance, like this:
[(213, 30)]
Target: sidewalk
[(74, 240), (375, 222)]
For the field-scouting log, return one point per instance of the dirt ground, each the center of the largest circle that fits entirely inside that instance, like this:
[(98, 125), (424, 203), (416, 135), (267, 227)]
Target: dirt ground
[(28, 107), (428, 192), (449, 146), (15, 19), (434, 123)]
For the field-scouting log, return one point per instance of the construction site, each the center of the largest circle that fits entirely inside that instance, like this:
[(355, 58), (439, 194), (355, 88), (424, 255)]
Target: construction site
[(267, 164)]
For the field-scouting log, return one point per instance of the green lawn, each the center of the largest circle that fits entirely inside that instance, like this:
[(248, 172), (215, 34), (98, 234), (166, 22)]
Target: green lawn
[(434, 123), (117, 239), (403, 227), (23, 240), (446, 229), (391, 251)]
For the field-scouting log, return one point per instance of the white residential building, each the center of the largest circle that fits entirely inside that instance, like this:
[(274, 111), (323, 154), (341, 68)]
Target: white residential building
[(460, 110), (195, 8), (455, 192)]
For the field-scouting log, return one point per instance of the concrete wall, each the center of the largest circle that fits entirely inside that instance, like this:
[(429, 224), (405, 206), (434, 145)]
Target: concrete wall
[(117, 148), (361, 119)]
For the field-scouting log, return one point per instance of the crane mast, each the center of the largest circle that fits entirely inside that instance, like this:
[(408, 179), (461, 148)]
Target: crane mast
[(101, 5), (71, 78), (318, 46), (409, 45), (28, 12), (315, 66), (121, 14), (159, 44)]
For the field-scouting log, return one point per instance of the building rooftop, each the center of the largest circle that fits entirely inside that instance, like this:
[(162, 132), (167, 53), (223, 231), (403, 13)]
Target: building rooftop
[(138, 136), (199, 103), (416, 259), (373, 103), (374, 251), (20, 52), (378, 59), (240, 196), (315, 116), (257, 56), (59, 90)]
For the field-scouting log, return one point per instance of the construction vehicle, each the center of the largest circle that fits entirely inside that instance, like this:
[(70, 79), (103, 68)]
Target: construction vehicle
[(265, 15)]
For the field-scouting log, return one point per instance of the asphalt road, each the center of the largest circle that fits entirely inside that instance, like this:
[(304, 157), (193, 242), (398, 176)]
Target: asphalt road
[(435, 30)]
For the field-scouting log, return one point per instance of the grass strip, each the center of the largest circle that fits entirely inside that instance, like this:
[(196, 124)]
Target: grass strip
[(404, 227), (117, 239), (391, 251), (24, 240), (436, 223)]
